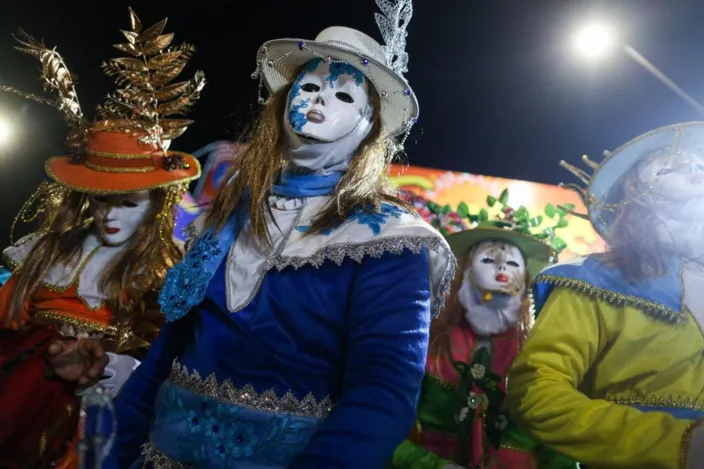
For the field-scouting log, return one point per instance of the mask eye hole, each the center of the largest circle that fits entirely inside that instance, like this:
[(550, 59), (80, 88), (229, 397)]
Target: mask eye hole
[(663, 172), (512, 263), (344, 97), (487, 260), (310, 88), (128, 204), (101, 199)]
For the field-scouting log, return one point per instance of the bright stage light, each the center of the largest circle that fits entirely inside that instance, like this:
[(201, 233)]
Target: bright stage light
[(4, 132), (594, 41)]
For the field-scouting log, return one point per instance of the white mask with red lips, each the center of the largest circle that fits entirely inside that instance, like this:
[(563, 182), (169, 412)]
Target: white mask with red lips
[(119, 216), (499, 268)]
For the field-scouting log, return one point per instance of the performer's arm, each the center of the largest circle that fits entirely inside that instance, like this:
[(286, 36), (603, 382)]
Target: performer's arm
[(134, 405), (386, 339), (566, 340), (410, 456)]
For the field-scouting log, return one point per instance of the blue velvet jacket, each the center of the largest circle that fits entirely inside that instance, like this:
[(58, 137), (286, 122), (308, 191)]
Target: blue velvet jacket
[(353, 331)]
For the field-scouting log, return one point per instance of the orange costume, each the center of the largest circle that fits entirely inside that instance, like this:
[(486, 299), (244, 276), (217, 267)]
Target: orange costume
[(110, 208)]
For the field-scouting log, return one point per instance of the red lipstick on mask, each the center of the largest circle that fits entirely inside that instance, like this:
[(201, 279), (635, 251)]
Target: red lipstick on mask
[(502, 278)]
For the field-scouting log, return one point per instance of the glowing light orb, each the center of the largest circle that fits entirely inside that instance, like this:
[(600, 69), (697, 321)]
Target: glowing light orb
[(4, 132), (594, 41)]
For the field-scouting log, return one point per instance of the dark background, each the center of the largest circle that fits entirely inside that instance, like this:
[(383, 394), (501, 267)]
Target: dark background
[(500, 91)]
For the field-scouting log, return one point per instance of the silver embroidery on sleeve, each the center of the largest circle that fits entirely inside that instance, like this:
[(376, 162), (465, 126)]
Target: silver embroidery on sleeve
[(247, 397)]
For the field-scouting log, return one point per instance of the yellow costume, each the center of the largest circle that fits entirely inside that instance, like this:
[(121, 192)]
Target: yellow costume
[(586, 366), (612, 374)]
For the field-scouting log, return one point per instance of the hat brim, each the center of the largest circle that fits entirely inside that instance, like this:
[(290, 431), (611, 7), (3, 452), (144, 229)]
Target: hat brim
[(81, 178), (286, 59), (605, 184), (537, 254)]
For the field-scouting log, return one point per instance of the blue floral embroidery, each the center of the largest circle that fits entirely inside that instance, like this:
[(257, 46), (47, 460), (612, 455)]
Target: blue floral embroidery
[(186, 283), (373, 219), (220, 433), (341, 68), (366, 216)]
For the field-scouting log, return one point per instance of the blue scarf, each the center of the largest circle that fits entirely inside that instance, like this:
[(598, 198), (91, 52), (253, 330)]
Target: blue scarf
[(294, 184), (186, 283)]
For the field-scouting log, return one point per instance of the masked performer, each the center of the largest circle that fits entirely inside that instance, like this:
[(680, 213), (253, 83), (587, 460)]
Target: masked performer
[(298, 339), (612, 374), (102, 250), (461, 422)]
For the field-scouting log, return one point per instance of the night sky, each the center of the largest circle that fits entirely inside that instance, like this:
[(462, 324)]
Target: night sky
[(501, 92)]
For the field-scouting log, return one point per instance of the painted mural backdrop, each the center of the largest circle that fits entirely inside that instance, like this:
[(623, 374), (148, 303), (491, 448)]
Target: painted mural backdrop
[(451, 188), (441, 187)]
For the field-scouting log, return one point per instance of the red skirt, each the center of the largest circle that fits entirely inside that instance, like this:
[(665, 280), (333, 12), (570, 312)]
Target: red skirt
[(38, 415)]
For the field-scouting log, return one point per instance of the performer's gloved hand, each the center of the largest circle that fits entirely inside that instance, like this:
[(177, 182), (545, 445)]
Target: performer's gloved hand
[(117, 371), (80, 361), (695, 452)]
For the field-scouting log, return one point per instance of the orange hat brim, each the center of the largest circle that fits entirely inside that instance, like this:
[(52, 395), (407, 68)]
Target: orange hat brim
[(81, 178)]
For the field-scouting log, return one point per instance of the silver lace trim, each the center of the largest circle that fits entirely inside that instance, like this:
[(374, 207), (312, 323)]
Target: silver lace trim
[(159, 460), (337, 253), (247, 397)]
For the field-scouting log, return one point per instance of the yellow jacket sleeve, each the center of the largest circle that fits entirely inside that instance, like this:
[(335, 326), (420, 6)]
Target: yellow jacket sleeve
[(566, 341)]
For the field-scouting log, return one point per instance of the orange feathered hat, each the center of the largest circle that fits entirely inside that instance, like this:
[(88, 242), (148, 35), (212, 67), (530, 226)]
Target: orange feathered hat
[(127, 149)]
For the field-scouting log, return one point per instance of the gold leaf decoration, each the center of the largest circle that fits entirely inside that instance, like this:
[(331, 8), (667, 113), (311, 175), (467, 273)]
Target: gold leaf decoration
[(172, 91), (59, 81), (168, 124), (132, 64), (131, 37), (135, 24), (153, 31), (128, 49), (158, 44), (146, 96)]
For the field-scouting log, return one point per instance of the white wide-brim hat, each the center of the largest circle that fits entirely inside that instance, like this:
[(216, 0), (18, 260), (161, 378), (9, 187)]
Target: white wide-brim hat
[(604, 187), (280, 60)]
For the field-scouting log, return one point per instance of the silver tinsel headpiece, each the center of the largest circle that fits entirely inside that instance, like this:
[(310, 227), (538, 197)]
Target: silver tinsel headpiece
[(392, 24)]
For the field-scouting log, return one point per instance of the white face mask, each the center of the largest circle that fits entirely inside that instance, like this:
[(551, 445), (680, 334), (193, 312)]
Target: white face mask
[(498, 267), (674, 177), (117, 217), (328, 101)]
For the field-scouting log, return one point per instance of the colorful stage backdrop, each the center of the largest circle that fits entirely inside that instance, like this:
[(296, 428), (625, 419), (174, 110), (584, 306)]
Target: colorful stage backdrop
[(447, 187), (442, 187)]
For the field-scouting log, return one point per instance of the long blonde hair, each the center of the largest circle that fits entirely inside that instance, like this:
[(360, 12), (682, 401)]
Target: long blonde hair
[(139, 269), (453, 314), (364, 184)]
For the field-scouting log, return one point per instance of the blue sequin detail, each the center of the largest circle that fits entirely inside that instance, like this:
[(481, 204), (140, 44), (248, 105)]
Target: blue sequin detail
[(365, 216), (225, 432), (341, 68), (185, 284)]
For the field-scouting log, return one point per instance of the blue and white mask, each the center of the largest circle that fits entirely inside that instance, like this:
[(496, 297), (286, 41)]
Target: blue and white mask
[(327, 102)]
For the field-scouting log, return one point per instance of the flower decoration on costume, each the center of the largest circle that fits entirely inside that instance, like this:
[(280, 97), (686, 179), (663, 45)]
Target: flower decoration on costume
[(480, 396)]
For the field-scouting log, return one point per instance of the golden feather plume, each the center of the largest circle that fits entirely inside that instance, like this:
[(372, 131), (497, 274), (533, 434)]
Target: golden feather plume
[(58, 80), (147, 97)]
